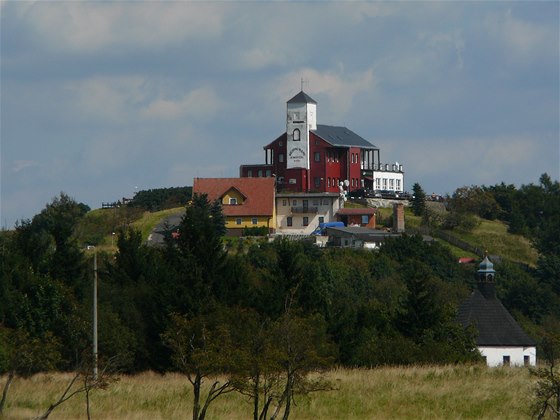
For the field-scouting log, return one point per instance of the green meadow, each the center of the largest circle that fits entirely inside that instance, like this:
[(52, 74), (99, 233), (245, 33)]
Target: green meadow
[(417, 392)]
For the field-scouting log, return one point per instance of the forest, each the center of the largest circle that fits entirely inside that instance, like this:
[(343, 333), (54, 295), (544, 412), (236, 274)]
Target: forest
[(198, 307)]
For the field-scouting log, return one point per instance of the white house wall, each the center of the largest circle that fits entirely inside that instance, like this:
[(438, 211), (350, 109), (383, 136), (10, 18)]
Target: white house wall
[(327, 208), (393, 181), (495, 355)]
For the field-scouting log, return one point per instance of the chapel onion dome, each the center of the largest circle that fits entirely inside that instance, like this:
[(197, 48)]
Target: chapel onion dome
[(486, 271)]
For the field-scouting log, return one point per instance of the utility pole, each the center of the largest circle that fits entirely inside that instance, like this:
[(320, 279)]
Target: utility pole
[(95, 315)]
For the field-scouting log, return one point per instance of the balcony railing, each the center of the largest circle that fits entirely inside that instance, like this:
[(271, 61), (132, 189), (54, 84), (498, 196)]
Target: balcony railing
[(385, 167), (312, 210)]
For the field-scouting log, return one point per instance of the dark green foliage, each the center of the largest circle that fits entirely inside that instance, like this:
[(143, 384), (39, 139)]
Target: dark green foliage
[(392, 306), (418, 200), (161, 198)]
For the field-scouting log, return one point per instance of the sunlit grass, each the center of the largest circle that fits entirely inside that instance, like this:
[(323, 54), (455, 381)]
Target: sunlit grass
[(432, 392), (149, 221)]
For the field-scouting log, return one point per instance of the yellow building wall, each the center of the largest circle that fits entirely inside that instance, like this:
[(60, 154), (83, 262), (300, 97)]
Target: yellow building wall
[(233, 193), (247, 222)]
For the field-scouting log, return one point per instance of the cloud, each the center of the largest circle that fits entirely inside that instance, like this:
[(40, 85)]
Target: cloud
[(202, 103), (486, 160), (20, 165), (521, 39), (106, 98), (337, 85), (84, 26)]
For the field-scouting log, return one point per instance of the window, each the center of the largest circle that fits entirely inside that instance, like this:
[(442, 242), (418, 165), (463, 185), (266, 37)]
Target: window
[(317, 156), (328, 182), (289, 221), (238, 221), (232, 201), (391, 184), (526, 360), (297, 135), (284, 202), (365, 219), (398, 181), (254, 221), (260, 173), (281, 157), (317, 182), (315, 202), (321, 219), (250, 173), (377, 183), (294, 202), (305, 221), (280, 143), (268, 173), (506, 361), (384, 183)]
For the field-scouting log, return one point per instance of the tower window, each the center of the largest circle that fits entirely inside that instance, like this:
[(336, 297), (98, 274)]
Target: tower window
[(297, 135)]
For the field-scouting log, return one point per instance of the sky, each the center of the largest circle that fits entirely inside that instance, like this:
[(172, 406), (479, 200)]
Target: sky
[(102, 99)]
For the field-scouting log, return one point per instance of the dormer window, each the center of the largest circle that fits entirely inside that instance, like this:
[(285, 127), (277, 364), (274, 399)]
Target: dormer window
[(233, 201), (297, 135)]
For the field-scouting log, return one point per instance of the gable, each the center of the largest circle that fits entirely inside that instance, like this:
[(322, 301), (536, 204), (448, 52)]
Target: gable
[(257, 194), (495, 325), (232, 197)]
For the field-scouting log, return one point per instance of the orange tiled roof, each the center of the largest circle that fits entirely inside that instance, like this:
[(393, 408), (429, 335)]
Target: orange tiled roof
[(258, 192)]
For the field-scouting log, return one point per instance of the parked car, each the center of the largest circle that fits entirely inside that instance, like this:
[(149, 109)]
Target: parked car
[(361, 193), (388, 194)]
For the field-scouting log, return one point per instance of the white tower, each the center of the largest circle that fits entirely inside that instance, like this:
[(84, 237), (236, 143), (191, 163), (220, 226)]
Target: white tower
[(301, 117)]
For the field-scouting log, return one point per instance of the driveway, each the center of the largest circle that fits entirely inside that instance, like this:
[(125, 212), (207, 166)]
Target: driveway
[(167, 224)]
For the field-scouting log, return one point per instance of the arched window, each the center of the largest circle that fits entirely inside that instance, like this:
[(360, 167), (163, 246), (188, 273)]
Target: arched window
[(297, 134)]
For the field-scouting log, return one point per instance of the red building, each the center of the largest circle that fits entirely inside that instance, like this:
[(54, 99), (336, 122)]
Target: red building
[(311, 157)]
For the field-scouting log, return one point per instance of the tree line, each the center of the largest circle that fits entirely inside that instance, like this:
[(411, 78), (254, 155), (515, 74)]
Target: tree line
[(263, 316)]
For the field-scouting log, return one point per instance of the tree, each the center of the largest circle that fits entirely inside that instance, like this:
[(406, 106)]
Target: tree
[(23, 355), (303, 348), (547, 388), (84, 381), (202, 349), (418, 200)]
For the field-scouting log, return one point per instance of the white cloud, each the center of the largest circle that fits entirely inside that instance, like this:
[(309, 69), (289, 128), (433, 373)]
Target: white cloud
[(202, 103), (340, 87), (521, 39), (106, 98), (90, 26), (475, 160), (20, 165)]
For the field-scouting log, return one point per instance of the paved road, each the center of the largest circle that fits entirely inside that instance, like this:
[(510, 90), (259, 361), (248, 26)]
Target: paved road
[(166, 224)]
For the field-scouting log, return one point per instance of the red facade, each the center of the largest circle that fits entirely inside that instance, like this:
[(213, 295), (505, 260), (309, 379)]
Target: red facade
[(328, 167)]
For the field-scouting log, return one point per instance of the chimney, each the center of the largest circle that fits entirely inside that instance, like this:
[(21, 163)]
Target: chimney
[(398, 217)]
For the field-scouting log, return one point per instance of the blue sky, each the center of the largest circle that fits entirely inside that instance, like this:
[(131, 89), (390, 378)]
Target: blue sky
[(101, 99)]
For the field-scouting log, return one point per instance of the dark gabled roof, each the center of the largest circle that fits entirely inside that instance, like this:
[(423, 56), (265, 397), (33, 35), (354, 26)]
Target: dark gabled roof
[(341, 136), (495, 325), (302, 98)]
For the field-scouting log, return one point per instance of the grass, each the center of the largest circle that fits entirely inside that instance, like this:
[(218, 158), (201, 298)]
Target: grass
[(148, 221), (429, 392)]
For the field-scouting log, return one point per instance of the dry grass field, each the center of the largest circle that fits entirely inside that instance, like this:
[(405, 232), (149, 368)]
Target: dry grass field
[(448, 392)]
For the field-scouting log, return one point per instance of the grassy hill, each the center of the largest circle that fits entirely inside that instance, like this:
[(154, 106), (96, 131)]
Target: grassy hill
[(98, 226)]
